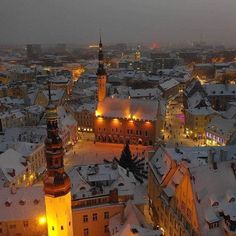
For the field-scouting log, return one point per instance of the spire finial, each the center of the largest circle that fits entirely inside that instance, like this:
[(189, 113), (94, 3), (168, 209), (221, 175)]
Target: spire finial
[(49, 92), (100, 39)]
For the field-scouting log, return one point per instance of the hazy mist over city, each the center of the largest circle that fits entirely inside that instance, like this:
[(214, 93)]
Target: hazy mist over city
[(144, 21)]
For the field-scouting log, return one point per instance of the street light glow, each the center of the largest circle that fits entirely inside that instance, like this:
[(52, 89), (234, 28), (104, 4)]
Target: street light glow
[(42, 220)]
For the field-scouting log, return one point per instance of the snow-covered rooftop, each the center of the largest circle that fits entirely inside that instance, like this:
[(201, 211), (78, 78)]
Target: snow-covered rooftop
[(86, 179), (222, 127), (142, 93), (169, 84), (212, 171), (132, 222), (220, 89), (12, 164), (128, 108), (26, 203)]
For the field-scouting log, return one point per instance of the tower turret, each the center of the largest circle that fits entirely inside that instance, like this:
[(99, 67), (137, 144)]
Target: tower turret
[(101, 74), (56, 182)]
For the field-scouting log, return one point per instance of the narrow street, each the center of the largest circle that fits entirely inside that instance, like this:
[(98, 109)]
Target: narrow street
[(174, 127)]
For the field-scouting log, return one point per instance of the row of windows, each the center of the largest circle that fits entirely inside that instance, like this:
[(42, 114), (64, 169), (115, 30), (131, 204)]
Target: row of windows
[(137, 132), (62, 227), (85, 117), (13, 226), (95, 217), (86, 123), (93, 202), (128, 131)]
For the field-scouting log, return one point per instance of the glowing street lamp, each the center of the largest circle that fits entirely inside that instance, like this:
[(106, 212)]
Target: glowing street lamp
[(42, 220)]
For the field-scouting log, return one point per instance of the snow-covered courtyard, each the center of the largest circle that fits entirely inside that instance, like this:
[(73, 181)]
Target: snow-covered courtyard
[(88, 152)]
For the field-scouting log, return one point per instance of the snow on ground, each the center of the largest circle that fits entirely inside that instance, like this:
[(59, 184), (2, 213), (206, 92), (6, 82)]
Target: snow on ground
[(88, 152)]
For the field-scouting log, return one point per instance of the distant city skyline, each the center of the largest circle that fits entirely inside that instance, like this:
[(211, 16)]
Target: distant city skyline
[(132, 21)]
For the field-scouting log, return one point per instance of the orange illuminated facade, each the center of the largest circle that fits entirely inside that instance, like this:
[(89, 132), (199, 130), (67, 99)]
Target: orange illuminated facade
[(121, 130), (135, 120)]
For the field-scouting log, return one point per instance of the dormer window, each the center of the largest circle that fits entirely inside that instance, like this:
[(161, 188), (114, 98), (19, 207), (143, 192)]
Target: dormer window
[(232, 199), (213, 225), (36, 201), (7, 203), (22, 202), (215, 204)]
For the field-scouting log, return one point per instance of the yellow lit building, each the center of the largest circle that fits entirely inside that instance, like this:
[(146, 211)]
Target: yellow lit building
[(94, 220), (196, 120), (185, 186)]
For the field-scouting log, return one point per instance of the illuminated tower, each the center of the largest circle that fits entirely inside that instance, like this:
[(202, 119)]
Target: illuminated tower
[(101, 74), (56, 183), (137, 55)]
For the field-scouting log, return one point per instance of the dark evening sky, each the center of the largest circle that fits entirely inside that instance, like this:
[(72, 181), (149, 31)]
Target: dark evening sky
[(78, 21)]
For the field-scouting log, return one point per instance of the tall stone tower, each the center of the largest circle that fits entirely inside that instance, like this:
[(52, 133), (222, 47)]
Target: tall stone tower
[(101, 74), (56, 183)]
